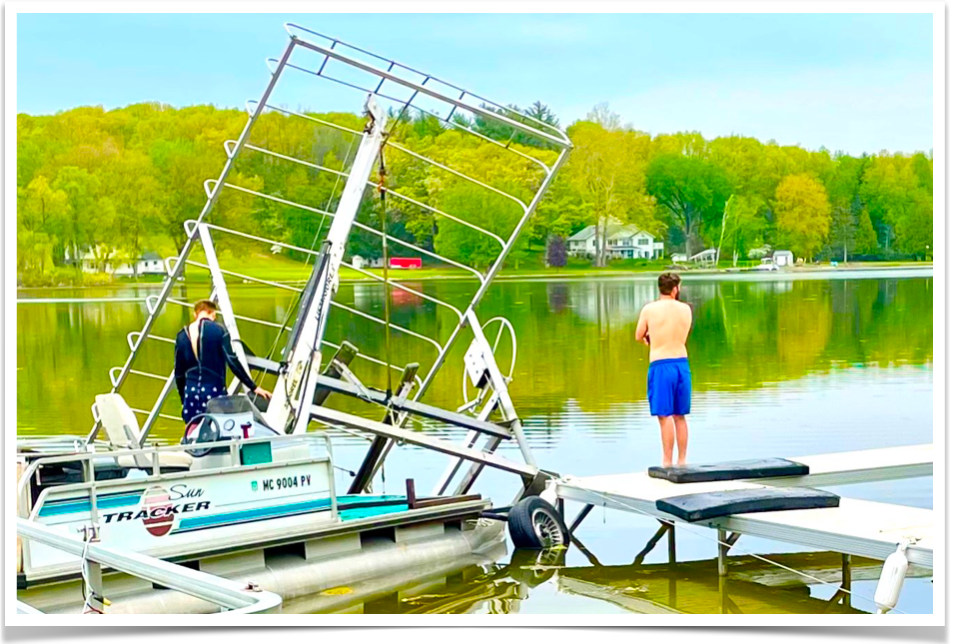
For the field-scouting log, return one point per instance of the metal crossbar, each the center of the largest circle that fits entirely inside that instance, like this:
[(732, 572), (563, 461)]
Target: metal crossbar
[(447, 120), (381, 321), (286, 287), (282, 328), (409, 290), (396, 146), (559, 138), (389, 191)]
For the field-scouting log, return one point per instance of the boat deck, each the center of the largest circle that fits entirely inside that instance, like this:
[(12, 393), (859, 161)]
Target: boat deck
[(855, 527)]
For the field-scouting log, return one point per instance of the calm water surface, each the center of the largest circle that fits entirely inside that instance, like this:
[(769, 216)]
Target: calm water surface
[(781, 367)]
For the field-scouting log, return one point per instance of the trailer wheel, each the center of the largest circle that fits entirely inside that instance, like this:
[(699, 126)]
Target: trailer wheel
[(535, 524)]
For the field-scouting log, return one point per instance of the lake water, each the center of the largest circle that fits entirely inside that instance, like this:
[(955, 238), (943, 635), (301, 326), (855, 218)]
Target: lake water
[(781, 367)]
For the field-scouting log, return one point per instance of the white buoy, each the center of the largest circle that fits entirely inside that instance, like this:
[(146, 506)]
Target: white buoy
[(892, 578)]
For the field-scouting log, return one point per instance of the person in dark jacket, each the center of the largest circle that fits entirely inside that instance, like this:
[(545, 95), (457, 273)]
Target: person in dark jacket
[(203, 351)]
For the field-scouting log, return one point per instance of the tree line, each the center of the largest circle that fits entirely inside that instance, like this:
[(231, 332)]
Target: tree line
[(119, 182)]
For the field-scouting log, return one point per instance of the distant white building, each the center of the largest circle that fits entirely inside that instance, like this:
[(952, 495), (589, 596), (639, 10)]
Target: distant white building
[(622, 242), (359, 262), (706, 258), (149, 263), (783, 258)]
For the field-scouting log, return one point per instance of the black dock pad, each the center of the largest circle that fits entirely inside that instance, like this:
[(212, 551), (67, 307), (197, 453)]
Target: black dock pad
[(730, 471), (708, 505)]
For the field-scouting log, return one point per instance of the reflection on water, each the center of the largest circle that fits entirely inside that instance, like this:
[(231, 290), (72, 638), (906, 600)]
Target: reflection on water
[(751, 587), (781, 367)]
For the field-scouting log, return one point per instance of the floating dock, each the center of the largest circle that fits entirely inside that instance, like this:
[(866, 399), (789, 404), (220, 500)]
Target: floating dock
[(855, 527)]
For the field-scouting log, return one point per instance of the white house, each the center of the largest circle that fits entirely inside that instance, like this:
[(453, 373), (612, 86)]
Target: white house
[(622, 242), (149, 263)]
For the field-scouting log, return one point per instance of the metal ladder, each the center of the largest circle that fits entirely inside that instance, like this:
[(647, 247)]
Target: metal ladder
[(385, 78)]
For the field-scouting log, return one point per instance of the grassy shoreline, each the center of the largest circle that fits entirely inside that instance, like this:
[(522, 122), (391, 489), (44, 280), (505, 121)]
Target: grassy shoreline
[(299, 273)]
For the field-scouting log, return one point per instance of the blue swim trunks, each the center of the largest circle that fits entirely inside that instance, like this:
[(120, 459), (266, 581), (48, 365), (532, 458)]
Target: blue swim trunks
[(670, 387)]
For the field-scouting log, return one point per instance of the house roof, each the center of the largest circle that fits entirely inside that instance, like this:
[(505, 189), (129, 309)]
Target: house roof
[(150, 255), (584, 234), (616, 231)]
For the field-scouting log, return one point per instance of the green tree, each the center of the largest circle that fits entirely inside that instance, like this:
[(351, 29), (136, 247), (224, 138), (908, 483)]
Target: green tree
[(82, 194), (692, 191), (481, 208), (843, 231), (742, 225), (802, 213), (606, 168), (866, 241)]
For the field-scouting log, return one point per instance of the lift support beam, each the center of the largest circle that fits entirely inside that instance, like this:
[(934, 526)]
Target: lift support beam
[(334, 417)]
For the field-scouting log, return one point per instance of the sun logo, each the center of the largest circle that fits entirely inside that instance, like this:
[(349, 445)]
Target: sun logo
[(159, 518)]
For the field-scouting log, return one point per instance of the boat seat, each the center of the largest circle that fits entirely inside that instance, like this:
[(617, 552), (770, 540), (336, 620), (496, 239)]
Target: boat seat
[(709, 505), (730, 470), (121, 427)]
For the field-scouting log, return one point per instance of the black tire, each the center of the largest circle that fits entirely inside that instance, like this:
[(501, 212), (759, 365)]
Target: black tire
[(535, 524)]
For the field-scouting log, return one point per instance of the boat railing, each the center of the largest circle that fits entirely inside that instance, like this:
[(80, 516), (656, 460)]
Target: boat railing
[(231, 596), (30, 510)]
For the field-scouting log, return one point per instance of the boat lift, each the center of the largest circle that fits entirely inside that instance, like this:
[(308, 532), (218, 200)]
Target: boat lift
[(305, 374)]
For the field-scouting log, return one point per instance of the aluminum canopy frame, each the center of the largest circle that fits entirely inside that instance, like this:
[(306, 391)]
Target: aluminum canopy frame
[(382, 81)]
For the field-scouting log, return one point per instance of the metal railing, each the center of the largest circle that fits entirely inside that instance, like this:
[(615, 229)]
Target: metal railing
[(230, 596), (31, 510)]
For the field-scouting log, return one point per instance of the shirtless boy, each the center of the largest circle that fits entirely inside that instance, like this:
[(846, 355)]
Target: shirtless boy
[(664, 326)]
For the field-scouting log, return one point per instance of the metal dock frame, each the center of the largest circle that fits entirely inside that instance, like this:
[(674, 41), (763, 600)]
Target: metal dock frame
[(637, 493), (387, 78)]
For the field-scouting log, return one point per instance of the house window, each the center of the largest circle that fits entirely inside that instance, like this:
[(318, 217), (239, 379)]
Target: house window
[(642, 241)]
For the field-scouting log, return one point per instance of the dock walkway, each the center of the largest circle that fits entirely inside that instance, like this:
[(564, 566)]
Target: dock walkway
[(855, 527)]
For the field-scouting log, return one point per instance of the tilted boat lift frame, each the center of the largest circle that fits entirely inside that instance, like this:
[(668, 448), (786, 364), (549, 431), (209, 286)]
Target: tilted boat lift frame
[(303, 357)]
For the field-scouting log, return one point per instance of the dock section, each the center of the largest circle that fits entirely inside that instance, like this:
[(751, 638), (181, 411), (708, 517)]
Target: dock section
[(855, 527)]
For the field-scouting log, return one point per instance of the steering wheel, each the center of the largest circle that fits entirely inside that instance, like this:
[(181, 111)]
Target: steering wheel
[(209, 431)]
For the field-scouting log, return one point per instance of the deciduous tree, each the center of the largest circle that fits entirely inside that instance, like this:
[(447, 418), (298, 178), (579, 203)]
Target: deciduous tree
[(802, 213), (692, 191)]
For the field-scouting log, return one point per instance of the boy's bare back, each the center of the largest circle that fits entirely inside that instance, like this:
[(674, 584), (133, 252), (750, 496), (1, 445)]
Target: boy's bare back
[(668, 322)]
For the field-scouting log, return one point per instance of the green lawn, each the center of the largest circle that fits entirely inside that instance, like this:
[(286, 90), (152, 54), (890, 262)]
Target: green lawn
[(521, 263)]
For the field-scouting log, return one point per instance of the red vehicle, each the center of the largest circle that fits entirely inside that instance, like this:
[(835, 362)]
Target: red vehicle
[(405, 262)]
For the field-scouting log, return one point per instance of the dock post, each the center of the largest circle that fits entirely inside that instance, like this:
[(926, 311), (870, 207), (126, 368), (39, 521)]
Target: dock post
[(411, 493), (722, 553), (92, 583), (671, 536), (846, 578)]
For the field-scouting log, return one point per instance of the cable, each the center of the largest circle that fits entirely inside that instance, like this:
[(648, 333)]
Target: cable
[(675, 524), (382, 200)]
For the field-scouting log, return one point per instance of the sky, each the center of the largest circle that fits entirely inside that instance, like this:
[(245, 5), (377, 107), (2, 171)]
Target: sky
[(850, 82)]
